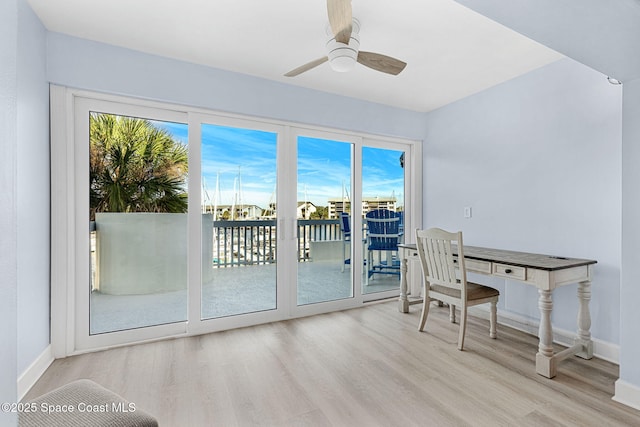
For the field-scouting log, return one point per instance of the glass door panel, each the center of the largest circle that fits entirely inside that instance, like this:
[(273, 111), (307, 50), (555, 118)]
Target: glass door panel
[(238, 221), (138, 222), (383, 183), (323, 211)]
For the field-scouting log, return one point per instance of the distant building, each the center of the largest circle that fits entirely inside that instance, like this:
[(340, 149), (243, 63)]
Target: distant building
[(270, 212), (338, 205), (372, 203), (305, 209), (241, 211)]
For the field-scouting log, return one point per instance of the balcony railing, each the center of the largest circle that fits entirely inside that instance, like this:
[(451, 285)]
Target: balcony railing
[(253, 242)]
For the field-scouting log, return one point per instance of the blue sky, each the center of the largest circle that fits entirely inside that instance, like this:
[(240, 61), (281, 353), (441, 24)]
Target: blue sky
[(243, 162)]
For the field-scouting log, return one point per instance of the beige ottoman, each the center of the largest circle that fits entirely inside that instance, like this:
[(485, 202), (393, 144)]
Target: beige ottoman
[(82, 403)]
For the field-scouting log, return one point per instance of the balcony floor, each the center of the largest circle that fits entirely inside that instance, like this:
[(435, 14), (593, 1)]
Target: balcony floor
[(232, 291)]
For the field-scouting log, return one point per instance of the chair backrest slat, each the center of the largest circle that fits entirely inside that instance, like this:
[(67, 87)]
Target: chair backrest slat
[(383, 228), (345, 223), (437, 258)]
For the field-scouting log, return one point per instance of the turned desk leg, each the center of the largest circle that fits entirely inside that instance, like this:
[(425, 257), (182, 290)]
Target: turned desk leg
[(584, 321), (404, 300), (545, 363)]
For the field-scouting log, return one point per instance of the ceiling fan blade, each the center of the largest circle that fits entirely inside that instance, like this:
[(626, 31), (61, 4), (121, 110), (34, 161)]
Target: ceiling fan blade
[(307, 67), (340, 19), (379, 62)]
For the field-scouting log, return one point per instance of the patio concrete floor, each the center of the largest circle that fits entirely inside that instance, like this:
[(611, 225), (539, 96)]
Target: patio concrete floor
[(233, 291)]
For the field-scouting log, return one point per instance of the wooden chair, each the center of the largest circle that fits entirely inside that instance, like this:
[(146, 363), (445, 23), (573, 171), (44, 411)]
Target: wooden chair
[(446, 279)]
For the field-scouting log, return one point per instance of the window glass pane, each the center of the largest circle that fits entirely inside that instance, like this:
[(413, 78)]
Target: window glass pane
[(382, 192), (238, 221), (138, 222), (324, 243)]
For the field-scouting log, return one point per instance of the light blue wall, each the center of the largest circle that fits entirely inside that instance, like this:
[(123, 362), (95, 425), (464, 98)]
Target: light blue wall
[(33, 185), (538, 159), (630, 294), (83, 64), (8, 220)]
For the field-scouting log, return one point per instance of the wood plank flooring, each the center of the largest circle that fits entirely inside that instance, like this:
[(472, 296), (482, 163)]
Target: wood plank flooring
[(362, 367)]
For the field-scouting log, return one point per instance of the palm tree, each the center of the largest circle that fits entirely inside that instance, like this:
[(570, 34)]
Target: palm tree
[(135, 167)]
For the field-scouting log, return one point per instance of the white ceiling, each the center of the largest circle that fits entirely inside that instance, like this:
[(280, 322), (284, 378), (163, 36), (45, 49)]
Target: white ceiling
[(451, 51)]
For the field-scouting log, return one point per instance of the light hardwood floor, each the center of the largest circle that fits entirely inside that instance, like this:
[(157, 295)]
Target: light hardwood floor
[(362, 367)]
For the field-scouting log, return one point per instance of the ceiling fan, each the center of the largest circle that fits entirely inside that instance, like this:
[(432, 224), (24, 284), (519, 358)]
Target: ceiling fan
[(343, 49)]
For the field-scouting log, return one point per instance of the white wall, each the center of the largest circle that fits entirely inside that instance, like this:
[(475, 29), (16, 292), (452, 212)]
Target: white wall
[(630, 295), (538, 159), (84, 64), (33, 184), (8, 220)]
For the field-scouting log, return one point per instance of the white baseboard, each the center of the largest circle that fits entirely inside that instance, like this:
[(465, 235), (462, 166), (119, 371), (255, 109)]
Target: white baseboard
[(601, 349), (29, 377), (627, 394)]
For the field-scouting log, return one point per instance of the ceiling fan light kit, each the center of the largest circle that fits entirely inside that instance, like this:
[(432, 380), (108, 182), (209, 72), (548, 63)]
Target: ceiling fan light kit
[(343, 57)]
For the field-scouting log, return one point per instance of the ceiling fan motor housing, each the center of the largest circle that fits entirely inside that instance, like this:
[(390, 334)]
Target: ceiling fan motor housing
[(343, 57)]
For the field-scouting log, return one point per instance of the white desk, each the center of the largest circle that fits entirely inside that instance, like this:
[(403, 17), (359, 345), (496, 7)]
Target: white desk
[(542, 271)]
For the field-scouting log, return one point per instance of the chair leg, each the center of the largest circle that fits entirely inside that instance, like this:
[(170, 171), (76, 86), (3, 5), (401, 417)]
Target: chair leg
[(452, 313), (493, 319), (463, 326), (425, 310)]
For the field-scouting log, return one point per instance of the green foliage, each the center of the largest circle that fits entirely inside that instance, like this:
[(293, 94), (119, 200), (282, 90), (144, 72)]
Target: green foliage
[(322, 212), (135, 167)]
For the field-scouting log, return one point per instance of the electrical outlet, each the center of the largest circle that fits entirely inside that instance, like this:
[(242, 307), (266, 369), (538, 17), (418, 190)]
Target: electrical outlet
[(467, 212)]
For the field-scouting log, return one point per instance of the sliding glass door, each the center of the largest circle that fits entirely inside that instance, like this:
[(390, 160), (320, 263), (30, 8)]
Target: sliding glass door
[(187, 222), (239, 220), (131, 169)]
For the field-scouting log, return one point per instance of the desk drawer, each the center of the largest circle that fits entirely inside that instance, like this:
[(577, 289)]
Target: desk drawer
[(509, 271), (482, 267)]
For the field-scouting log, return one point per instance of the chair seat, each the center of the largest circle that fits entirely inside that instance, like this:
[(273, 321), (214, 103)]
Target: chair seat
[(475, 291)]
